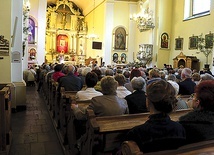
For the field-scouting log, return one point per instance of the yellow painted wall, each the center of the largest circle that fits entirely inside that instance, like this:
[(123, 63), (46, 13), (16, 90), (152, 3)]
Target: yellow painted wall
[(5, 30), (121, 14), (163, 25), (186, 29), (98, 16)]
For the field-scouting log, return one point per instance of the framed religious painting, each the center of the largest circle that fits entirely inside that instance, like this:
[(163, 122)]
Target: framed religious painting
[(120, 39), (115, 58), (123, 58), (164, 41), (179, 43), (209, 40), (193, 42), (32, 31)]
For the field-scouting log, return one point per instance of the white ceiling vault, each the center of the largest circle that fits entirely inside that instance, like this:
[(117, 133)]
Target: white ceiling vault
[(87, 5)]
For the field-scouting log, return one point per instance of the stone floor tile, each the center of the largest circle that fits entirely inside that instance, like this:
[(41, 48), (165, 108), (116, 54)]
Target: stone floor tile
[(32, 129), (31, 138), (53, 148), (37, 149), (20, 149), (45, 137), (35, 128)]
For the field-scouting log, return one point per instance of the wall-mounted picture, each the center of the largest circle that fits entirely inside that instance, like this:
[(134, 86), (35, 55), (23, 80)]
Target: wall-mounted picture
[(123, 58), (179, 43), (165, 40), (193, 42), (31, 33), (120, 39), (209, 40), (115, 57)]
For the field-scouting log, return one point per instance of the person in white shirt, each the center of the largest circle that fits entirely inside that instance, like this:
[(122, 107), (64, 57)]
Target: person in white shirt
[(122, 92), (87, 94)]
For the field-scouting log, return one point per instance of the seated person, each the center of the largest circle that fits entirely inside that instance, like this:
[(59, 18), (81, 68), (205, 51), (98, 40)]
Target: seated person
[(206, 76), (159, 132), (57, 72), (97, 87), (122, 92), (199, 124), (137, 100), (154, 75), (70, 82), (108, 104), (196, 78), (90, 81), (181, 104), (186, 86), (134, 73)]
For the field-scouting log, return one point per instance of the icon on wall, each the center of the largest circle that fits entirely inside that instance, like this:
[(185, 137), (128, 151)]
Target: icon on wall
[(165, 40), (178, 43), (193, 42), (123, 58), (115, 57)]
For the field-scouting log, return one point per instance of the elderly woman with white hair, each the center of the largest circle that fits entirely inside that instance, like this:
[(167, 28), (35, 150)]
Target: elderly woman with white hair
[(137, 100), (181, 104), (84, 72)]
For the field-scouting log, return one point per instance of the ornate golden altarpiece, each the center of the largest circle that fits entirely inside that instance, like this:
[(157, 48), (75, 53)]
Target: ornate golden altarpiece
[(65, 33), (186, 61)]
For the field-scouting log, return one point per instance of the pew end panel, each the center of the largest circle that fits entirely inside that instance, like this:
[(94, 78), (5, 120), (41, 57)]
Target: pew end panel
[(75, 128), (5, 118), (130, 148)]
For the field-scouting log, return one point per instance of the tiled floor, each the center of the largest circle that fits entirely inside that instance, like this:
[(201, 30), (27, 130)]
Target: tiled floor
[(32, 129)]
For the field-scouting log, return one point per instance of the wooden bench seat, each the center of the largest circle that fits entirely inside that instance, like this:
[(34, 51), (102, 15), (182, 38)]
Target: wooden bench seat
[(75, 127), (105, 134), (203, 147)]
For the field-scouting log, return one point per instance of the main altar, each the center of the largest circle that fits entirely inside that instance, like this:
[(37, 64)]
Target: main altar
[(65, 33)]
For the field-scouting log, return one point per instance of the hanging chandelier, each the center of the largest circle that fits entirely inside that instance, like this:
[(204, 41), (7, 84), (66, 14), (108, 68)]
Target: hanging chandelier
[(93, 36), (144, 18)]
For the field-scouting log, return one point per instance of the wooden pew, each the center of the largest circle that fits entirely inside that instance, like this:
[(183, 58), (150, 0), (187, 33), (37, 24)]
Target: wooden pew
[(203, 147), (75, 127), (5, 119), (64, 99), (105, 134), (53, 98), (66, 116)]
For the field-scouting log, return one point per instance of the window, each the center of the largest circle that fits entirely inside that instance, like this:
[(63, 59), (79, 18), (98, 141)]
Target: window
[(199, 6), (196, 8)]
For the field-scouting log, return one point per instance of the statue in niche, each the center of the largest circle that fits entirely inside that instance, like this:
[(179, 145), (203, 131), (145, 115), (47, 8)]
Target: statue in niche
[(81, 25)]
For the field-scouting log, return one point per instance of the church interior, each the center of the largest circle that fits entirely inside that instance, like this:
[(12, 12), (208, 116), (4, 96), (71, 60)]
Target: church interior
[(116, 33), (148, 31)]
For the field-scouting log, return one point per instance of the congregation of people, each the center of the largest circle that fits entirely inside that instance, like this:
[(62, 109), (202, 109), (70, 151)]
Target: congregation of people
[(130, 90)]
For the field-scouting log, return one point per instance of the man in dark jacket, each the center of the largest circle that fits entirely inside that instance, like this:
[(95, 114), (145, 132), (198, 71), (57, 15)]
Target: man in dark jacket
[(70, 82)]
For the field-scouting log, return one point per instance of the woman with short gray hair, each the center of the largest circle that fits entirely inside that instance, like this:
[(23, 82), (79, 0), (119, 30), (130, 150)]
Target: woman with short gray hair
[(137, 100)]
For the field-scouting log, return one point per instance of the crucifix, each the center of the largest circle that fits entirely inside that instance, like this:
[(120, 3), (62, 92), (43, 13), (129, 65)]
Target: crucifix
[(64, 14)]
